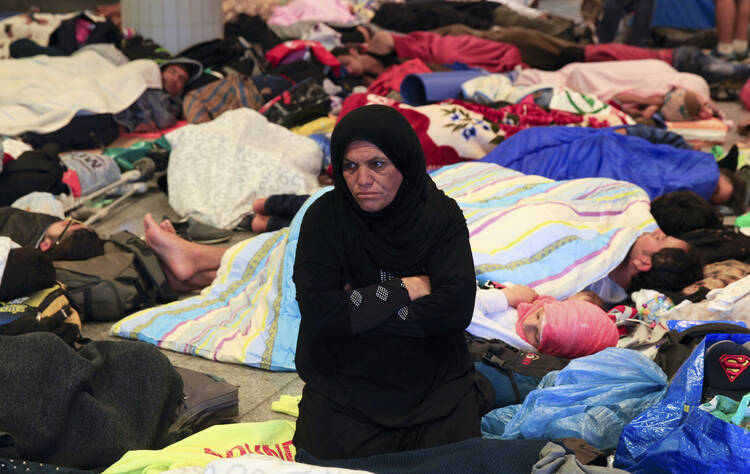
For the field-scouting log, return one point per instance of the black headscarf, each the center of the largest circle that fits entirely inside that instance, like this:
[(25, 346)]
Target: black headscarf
[(399, 237)]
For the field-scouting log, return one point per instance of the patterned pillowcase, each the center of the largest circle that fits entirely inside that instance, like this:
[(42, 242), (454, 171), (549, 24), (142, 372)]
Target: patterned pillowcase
[(719, 275)]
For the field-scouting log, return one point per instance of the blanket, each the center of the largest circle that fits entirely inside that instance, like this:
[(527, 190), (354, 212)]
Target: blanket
[(218, 168), (447, 132), (557, 237), (569, 153), (42, 93)]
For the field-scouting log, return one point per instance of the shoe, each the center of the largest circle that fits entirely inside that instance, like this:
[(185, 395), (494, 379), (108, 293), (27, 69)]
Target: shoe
[(200, 233), (726, 57), (741, 56)]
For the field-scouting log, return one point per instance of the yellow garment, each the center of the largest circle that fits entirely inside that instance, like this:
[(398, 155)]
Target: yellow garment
[(271, 438), (288, 404), (319, 125)]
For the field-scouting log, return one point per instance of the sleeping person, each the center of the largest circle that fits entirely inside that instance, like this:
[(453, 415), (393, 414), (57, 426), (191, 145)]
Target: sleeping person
[(516, 315)]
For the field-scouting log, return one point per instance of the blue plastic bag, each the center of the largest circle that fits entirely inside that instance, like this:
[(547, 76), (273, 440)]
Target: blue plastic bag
[(675, 436), (592, 398)]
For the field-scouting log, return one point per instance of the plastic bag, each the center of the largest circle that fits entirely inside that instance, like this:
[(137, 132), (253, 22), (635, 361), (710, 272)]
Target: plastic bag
[(592, 398), (674, 436)]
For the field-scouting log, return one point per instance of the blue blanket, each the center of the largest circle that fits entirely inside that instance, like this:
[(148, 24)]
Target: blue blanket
[(569, 153)]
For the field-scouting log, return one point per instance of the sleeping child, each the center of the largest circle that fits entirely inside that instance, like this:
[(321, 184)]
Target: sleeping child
[(575, 327)]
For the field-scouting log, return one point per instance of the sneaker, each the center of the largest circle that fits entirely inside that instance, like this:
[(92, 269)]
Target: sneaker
[(200, 233), (741, 56), (726, 57)]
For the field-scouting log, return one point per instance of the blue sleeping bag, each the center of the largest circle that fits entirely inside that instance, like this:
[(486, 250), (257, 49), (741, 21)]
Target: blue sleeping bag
[(573, 152)]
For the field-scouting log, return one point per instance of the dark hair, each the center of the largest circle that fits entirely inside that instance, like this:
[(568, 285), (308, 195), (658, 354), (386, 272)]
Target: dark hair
[(78, 245), (672, 269), (682, 211), (738, 199)]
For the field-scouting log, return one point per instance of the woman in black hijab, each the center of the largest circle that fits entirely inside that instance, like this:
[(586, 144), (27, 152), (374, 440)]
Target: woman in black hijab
[(385, 283)]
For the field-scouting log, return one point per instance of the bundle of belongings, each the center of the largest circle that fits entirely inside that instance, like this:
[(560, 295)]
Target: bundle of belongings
[(487, 236)]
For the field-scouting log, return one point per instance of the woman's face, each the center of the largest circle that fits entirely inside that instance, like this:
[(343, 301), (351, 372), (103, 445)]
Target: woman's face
[(370, 176)]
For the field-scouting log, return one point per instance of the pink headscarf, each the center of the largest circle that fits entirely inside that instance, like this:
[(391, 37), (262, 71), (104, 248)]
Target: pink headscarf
[(572, 328)]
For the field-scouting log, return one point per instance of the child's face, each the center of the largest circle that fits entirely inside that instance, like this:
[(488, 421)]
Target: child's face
[(532, 327)]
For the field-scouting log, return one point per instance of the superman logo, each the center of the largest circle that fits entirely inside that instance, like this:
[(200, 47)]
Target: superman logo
[(734, 365)]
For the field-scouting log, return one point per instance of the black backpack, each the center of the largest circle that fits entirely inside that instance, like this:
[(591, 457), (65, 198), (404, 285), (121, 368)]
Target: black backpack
[(510, 360), (124, 279), (37, 170), (679, 345)]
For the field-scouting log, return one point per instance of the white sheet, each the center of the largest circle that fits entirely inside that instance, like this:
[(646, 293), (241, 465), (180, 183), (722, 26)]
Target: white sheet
[(218, 168), (42, 93)]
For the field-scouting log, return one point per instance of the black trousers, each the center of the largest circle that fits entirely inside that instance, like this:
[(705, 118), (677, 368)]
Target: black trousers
[(327, 431), (282, 209)]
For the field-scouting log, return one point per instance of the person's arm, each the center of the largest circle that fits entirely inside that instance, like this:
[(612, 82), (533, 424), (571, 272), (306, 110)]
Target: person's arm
[(328, 304), (450, 304)]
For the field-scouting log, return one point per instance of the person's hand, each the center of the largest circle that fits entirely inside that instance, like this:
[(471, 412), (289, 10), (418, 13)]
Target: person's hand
[(417, 286), (519, 294)]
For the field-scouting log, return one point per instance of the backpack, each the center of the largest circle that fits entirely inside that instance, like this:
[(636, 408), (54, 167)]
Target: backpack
[(37, 170), (46, 310), (510, 360), (679, 345), (122, 280), (207, 400)]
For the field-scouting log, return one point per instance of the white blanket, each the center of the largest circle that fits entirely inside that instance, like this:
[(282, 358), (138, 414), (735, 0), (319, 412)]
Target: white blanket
[(217, 169), (42, 93)]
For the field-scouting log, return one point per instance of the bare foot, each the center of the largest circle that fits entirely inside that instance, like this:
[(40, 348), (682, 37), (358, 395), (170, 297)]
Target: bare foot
[(260, 223), (175, 252), (176, 284), (259, 206), (166, 224)]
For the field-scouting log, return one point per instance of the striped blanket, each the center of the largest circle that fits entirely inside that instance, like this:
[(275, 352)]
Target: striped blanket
[(557, 237)]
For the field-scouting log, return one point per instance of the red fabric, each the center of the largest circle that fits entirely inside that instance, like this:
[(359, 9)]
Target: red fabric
[(492, 56), (435, 156), (391, 79), (7, 157), (70, 178), (277, 53), (571, 328), (514, 118), (623, 52)]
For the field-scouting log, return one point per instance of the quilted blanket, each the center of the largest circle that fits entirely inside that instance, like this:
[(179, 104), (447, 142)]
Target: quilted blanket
[(218, 168), (557, 237), (43, 93)]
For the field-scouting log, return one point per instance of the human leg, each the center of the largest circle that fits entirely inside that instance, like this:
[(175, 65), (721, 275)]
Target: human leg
[(185, 260), (284, 205), (640, 32), (725, 22), (611, 17), (742, 15)]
